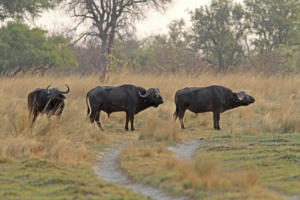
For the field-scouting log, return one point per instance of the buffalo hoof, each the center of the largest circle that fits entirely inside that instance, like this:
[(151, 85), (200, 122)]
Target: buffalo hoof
[(132, 129), (126, 129)]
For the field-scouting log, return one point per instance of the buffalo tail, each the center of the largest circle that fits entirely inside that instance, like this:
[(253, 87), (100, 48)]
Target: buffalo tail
[(175, 115), (87, 100)]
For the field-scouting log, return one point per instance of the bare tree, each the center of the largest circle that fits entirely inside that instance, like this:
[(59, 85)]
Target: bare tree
[(110, 19)]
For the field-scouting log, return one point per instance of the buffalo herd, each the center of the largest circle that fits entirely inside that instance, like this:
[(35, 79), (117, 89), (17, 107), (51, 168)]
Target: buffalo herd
[(133, 99)]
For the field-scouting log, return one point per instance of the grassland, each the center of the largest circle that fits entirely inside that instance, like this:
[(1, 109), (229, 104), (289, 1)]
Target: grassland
[(255, 153), (260, 167), (36, 179)]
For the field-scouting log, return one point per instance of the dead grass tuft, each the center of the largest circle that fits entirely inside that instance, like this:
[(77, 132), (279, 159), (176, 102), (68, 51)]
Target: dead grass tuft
[(171, 162), (67, 152), (206, 173), (247, 180), (160, 130), (161, 148)]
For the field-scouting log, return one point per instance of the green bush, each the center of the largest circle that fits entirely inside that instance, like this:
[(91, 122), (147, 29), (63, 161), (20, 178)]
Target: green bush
[(25, 47)]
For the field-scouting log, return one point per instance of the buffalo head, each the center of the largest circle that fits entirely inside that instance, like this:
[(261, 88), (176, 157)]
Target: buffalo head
[(152, 96), (56, 94), (243, 99)]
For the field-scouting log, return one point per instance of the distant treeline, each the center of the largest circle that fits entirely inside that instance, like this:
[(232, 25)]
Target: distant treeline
[(258, 35)]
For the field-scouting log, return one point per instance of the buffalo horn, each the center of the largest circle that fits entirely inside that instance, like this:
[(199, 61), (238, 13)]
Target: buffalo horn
[(48, 87), (67, 91)]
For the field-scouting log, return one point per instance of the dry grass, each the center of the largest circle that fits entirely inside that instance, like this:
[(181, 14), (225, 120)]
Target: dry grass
[(64, 140), (160, 130), (203, 178), (276, 110), (206, 173)]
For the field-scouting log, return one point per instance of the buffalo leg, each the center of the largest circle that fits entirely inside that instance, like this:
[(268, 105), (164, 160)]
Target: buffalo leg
[(97, 120), (181, 123), (132, 121), (92, 115), (35, 114), (216, 116), (127, 121), (181, 115)]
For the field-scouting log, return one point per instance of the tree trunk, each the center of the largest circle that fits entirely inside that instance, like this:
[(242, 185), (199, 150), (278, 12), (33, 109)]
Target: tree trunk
[(103, 62), (221, 63)]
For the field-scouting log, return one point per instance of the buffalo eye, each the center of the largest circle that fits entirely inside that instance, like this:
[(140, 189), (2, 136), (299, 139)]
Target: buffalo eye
[(237, 99)]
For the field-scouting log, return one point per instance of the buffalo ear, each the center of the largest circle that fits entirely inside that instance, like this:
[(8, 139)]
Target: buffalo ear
[(241, 95), (143, 93), (62, 96)]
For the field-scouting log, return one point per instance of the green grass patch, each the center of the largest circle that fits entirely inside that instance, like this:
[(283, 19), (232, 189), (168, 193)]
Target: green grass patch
[(227, 166), (35, 179), (276, 158)]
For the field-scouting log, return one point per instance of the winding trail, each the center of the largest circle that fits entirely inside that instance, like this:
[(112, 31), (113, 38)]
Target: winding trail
[(109, 171), (290, 197), (186, 150)]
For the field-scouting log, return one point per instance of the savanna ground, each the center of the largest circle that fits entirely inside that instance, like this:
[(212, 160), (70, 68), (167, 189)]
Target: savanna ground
[(256, 155)]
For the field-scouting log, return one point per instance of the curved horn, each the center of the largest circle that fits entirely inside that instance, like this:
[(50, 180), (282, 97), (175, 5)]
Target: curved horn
[(48, 87), (144, 95), (67, 91)]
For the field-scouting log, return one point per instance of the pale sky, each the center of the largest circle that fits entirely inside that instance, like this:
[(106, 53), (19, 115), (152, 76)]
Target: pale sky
[(154, 23), (158, 22)]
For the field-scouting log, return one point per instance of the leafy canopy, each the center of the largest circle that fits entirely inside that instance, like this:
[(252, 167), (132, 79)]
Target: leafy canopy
[(218, 31), (23, 47), (273, 23), (20, 8)]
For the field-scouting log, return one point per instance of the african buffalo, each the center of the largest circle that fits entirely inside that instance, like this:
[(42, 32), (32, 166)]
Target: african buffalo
[(49, 101), (128, 98), (216, 99)]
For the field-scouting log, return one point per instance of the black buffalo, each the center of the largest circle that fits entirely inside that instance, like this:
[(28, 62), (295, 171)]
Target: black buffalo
[(216, 99), (49, 101), (128, 98)]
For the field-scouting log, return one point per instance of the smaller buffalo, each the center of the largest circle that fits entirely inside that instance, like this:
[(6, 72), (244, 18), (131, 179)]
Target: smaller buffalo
[(128, 98), (216, 99), (49, 101)]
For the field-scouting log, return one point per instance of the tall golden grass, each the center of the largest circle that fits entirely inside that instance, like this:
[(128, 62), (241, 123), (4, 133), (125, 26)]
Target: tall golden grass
[(204, 174), (66, 139)]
